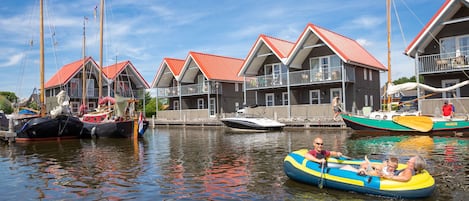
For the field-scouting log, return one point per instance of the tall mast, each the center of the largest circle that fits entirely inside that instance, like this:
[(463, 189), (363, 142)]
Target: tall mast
[(388, 20), (41, 58), (83, 96), (101, 23)]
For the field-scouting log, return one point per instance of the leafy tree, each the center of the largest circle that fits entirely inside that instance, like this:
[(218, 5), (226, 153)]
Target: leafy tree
[(9, 95), (5, 105), (405, 80), (150, 108)]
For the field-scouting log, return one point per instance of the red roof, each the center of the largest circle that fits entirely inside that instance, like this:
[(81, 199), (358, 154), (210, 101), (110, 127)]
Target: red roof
[(216, 67), (348, 49), (280, 47), (112, 71), (66, 73), (411, 49), (174, 65)]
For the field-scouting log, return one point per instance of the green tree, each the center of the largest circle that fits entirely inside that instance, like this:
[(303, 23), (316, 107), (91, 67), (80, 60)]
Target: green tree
[(405, 80), (150, 108), (9, 95), (5, 105)]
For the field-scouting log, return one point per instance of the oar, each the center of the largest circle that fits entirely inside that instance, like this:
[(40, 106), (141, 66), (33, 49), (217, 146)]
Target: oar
[(321, 180)]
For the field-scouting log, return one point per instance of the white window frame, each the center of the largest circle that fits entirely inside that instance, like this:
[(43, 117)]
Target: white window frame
[(176, 105), (200, 103), (269, 99), (75, 107), (334, 91), (365, 74), (447, 83), (284, 98), (236, 87), (455, 48), (311, 99), (366, 100), (371, 100), (213, 107), (370, 75)]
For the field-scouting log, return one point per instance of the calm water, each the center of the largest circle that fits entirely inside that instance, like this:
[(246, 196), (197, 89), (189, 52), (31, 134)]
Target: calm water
[(207, 164)]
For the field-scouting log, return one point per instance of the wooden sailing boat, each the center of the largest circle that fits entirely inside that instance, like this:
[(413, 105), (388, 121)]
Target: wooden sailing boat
[(105, 122), (394, 121), (60, 123)]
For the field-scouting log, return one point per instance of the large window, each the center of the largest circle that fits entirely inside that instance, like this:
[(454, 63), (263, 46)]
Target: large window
[(278, 73), (454, 46), (336, 92), (315, 96), (452, 93), (321, 67), (75, 87)]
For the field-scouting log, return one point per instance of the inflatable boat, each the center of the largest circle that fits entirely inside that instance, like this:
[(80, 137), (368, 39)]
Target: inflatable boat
[(298, 168)]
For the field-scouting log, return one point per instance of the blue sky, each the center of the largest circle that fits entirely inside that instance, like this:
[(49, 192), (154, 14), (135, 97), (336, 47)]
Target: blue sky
[(146, 31)]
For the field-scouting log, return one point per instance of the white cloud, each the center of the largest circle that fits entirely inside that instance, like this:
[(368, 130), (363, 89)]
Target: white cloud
[(12, 60)]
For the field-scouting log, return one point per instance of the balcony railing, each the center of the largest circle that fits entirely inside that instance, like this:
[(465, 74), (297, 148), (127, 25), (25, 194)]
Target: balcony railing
[(189, 90), (437, 63), (304, 77)]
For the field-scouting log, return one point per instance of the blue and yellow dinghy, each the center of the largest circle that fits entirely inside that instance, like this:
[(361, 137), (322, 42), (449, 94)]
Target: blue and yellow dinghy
[(298, 168)]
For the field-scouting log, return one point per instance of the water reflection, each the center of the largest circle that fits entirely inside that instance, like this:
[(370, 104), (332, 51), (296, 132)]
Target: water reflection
[(207, 164)]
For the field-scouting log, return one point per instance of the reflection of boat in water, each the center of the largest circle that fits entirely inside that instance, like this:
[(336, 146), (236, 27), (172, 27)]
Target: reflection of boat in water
[(300, 169), (252, 124)]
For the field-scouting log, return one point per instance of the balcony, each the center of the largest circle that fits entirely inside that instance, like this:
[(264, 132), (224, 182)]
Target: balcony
[(168, 92), (305, 77), (439, 63)]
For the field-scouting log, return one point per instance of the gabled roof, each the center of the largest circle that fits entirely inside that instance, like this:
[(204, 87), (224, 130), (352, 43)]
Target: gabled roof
[(435, 25), (67, 72), (113, 71), (349, 50), (263, 47), (213, 67), (169, 68)]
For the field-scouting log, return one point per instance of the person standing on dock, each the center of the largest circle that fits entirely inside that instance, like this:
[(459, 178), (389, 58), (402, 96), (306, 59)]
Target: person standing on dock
[(319, 155), (336, 107)]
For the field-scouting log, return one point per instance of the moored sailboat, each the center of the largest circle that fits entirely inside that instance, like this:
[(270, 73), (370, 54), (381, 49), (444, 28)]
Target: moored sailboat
[(59, 123), (412, 121), (114, 117)]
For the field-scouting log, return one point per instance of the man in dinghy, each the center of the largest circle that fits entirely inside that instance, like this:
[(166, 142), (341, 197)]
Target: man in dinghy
[(318, 154)]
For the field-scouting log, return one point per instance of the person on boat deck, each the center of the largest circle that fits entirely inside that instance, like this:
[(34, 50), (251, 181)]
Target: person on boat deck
[(388, 167), (415, 165), (319, 155), (336, 107), (447, 110)]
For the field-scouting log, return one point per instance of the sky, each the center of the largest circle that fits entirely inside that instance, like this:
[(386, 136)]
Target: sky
[(147, 31)]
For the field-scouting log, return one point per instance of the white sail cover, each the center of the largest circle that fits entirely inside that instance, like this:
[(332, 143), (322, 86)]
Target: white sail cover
[(393, 89)]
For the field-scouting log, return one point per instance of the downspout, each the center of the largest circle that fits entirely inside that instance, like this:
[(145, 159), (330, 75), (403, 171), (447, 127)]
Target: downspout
[(244, 90), (180, 101), (417, 78), (344, 100), (209, 88), (288, 93)]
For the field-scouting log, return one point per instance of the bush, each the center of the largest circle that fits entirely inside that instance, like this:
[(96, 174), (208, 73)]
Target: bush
[(5, 105)]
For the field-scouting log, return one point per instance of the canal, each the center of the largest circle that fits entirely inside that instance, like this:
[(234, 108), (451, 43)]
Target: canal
[(209, 164)]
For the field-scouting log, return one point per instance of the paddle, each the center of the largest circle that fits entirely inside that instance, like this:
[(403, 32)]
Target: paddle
[(419, 123), (321, 180)]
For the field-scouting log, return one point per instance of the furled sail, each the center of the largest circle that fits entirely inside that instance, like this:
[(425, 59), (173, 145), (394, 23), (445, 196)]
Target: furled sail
[(393, 89)]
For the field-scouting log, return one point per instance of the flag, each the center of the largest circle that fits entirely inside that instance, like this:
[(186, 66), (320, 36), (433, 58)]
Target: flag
[(140, 125)]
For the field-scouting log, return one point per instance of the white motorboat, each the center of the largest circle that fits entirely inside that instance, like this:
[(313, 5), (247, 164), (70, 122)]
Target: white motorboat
[(252, 123)]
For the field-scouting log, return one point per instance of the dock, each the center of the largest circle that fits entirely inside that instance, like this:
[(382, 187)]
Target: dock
[(306, 124), (8, 136)]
